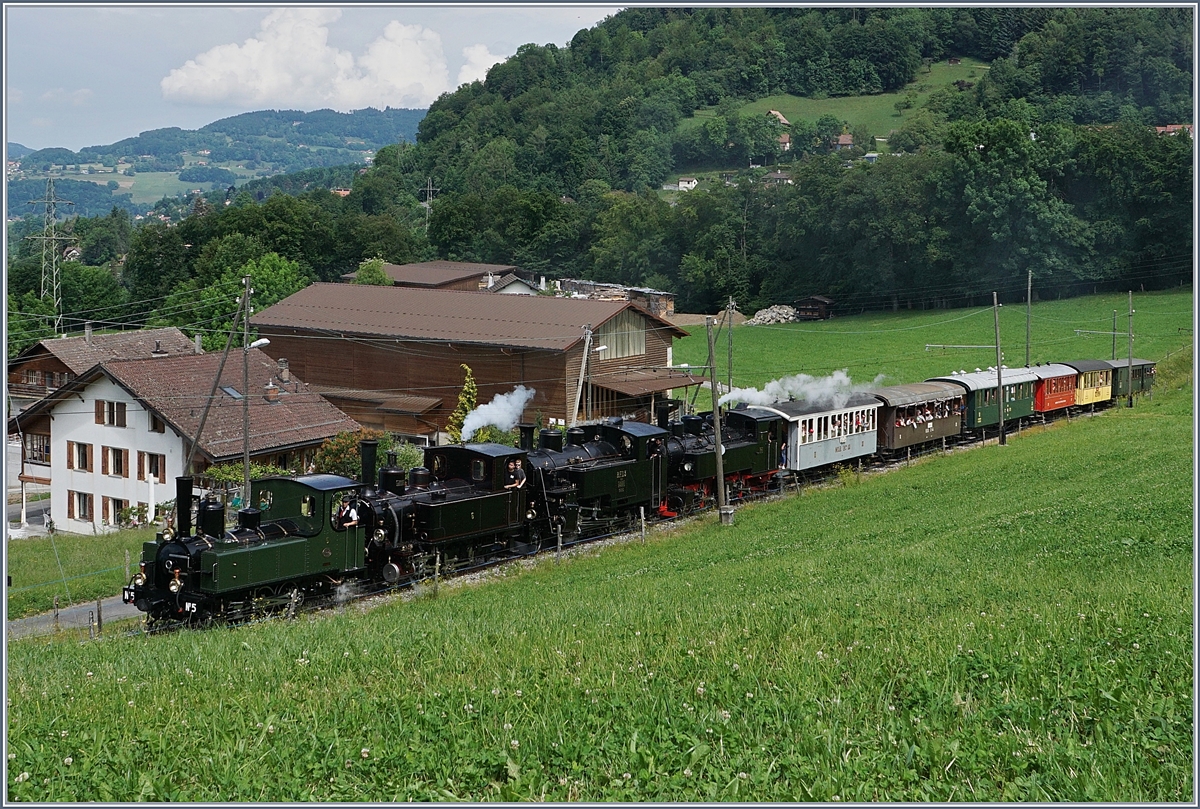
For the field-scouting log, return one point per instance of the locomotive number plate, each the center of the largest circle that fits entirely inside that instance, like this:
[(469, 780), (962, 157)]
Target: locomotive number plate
[(127, 595)]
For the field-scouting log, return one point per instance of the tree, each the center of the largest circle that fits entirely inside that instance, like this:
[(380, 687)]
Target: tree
[(340, 455), (371, 272), (30, 319), (467, 400), (272, 278)]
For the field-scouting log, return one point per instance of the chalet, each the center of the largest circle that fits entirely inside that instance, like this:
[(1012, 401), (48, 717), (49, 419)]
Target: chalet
[(461, 275), (687, 183), (785, 142), (392, 357), (815, 307), (113, 437), (778, 116), (53, 362), (843, 141), (777, 178), (1174, 129), (508, 285)]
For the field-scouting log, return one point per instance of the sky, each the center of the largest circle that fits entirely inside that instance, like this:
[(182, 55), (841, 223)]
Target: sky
[(92, 75)]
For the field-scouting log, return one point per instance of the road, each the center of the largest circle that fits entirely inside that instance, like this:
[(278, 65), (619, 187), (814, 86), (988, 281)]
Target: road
[(71, 618)]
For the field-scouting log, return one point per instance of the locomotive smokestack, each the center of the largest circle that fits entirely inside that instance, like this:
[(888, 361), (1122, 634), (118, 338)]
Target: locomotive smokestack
[(183, 506), (527, 436), (368, 450), (662, 413)]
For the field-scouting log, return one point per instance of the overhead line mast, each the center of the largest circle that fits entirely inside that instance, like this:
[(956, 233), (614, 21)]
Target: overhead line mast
[(50, 239)]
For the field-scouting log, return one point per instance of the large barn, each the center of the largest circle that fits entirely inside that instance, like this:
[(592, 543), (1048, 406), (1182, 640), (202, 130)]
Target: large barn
[(392, 357)]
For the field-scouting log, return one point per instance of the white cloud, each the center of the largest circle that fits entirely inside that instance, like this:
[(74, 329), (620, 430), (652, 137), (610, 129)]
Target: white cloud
[(290, 63), (479, 59), (76, 98)]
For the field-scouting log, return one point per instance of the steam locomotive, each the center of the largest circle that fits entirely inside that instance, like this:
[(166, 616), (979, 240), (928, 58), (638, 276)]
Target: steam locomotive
[(456, 511), (460, 509)]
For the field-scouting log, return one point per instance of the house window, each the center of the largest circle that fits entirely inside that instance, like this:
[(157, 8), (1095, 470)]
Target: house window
[(111, 508), (110, 413), (79, 456), (79, 506), (114, 461), (152, 465), (156, 424), (37, 448)]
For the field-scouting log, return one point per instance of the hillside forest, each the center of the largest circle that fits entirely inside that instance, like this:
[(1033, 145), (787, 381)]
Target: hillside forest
[(1047, 162)]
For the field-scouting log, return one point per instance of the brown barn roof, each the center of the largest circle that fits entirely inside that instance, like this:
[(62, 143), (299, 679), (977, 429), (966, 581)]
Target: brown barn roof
[(175, 388), (647, 380), (524, 321), (79, 355), (435, 274)]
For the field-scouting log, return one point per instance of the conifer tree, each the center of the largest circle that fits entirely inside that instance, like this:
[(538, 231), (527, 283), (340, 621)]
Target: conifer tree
[(466, 403)]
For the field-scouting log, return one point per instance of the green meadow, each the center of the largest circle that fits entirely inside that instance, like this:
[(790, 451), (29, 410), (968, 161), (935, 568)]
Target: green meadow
[(893, 344), (1001, 623), (877, 112)]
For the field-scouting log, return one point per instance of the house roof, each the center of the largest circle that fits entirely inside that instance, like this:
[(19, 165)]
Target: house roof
[(778, 117), (507, 281), (176, 388), (435, 274), (79, 354), (845, 140), (646, 380), (387, 401), (441, 315)]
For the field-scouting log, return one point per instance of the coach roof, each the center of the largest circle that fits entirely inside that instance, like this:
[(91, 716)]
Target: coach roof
[(452, 316)]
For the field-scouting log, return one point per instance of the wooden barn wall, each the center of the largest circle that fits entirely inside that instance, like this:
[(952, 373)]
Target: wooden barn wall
[(423, 369)]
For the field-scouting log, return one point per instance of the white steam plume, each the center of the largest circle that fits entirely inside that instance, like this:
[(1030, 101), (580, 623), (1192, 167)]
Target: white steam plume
[(503, 411), (834, 390)]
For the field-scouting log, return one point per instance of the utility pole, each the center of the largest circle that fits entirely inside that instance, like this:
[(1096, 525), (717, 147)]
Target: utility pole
[(1028, 313), (587, 347), (729, 312), (1130, 348), (999, 375), (51, 239), (720, 481), (246, 391), (1114, 353)]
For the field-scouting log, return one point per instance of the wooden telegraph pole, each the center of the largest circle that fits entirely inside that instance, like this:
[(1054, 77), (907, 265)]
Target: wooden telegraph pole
[(999, 375), (726, 514)]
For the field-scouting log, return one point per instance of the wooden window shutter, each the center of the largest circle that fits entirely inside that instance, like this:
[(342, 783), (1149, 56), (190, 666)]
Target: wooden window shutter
[(105, 508), (141, 465), (104, 451), (162, 468), (124, 463), (70, 455), (91, 504), (120, 414), (99, 411), (70, 505), (91, 457)]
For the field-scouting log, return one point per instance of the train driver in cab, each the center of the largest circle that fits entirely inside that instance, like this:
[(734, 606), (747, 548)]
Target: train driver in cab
[(347, 515)]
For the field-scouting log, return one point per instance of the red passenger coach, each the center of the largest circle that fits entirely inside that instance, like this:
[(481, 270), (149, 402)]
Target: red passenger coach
[(1055, 388)]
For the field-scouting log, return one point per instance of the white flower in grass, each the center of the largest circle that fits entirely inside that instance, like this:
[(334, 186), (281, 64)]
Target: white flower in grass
[(687, 773), (508, 725), (68, 761), (22, 778), (518, 692), (736, 667), (743, 775), (514, 744), (365, 752), (749, 695), (63, 734)]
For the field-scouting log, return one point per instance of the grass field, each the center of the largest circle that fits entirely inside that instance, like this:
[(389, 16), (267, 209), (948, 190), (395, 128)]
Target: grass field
[(91, 568), (893, 344), (877, 112), (1004, 623)]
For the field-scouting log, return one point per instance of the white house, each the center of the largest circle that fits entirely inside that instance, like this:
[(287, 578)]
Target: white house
[(687, 183), (114, 437)]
